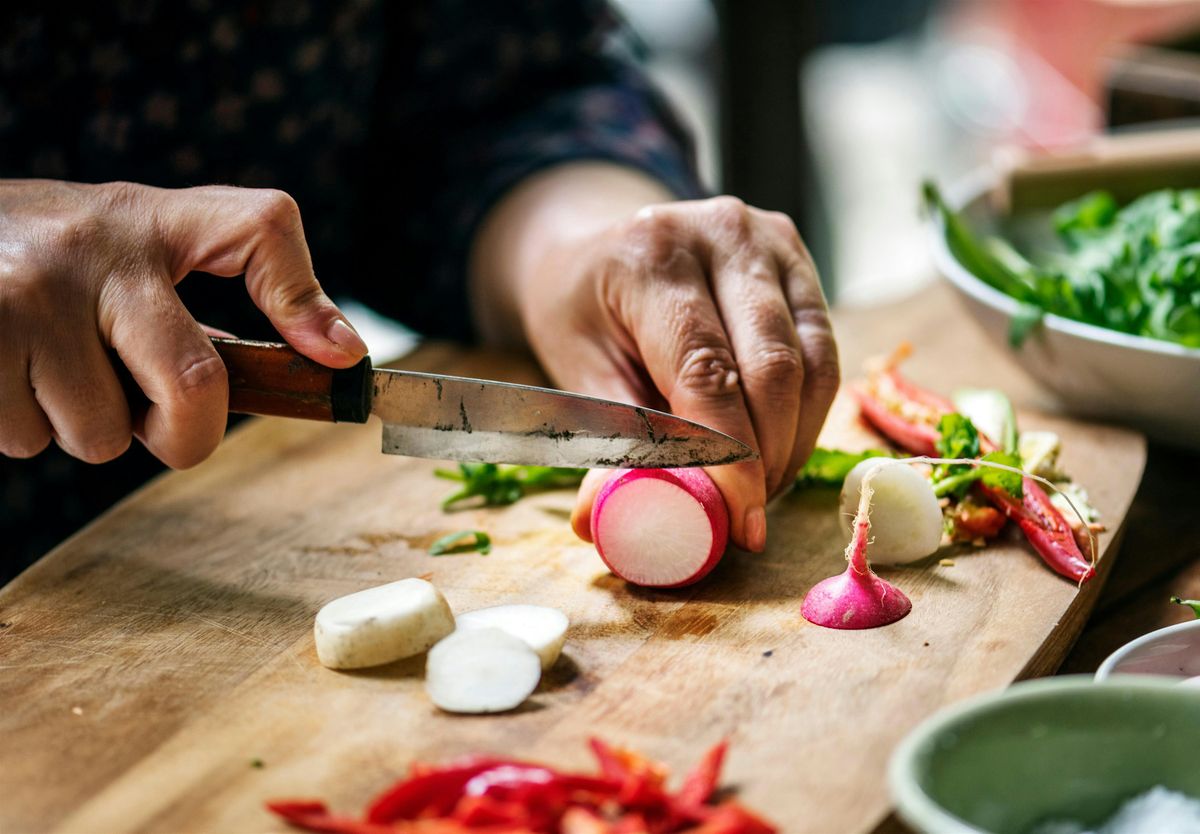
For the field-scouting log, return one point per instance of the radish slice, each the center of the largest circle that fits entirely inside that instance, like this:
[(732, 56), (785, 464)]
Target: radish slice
[(382, 624), (481, 670), (662, 528), (906, 521), (543, 629), (857, 598)]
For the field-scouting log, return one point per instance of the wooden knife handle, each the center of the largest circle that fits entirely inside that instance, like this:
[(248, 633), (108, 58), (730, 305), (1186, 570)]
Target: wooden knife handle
[(272, 378)]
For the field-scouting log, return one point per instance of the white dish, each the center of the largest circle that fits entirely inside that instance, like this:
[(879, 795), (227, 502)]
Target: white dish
[(1095, 372), (1173, 651)]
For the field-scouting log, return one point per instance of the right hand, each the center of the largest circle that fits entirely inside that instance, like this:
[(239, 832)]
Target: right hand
[(89, 268)]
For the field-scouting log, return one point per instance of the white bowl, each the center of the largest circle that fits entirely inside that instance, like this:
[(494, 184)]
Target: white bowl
[(1173, 651), (1095, 372)]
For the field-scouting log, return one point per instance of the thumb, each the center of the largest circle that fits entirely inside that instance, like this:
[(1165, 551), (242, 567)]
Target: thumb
[(229, 231)]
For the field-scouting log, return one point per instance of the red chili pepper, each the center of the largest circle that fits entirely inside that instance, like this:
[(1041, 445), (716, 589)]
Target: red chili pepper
[(1044, 526), (315, 816), (1039, 520), (428, 791), (732, 818), (977, 521), (699, 785)]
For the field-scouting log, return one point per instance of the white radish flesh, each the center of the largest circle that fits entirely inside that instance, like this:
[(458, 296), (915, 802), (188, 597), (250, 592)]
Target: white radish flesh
[(662, 528), (543, 629), (481, 670), (380, 625), (906, 520)]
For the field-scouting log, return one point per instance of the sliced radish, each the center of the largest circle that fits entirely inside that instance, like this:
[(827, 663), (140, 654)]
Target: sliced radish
[(906, 521), (382, 624), (481, 670), (661, 528), (544, 629)]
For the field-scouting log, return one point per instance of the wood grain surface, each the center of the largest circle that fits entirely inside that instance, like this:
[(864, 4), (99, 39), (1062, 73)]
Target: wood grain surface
[(149, 660)]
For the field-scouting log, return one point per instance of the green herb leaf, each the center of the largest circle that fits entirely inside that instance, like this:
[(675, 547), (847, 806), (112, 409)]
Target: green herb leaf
[(1010, 482), (829, 467), (464, 541), (498, 486), (1194, 604), (1134, 269)]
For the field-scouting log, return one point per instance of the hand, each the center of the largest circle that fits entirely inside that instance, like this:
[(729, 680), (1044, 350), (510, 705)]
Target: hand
[(88, 268), (710, 309)]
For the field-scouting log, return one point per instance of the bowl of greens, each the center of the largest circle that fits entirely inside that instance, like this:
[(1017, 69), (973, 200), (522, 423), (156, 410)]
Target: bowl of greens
[(1098, 299)]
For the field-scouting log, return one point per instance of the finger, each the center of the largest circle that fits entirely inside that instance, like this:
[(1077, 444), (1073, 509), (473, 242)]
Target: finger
[(759, 322), (818, 350), (78, 392), (24, 429), (687, 353), (174, 363), (230, 231), (581, 515)]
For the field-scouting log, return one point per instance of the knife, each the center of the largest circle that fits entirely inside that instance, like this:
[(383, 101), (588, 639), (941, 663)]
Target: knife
[(456, 418)]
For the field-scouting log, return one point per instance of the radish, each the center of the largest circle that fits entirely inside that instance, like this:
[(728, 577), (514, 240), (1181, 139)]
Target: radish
[(661, 528), (544, 629), (481, 670), (857, 598), (906, 520), (382, 624)]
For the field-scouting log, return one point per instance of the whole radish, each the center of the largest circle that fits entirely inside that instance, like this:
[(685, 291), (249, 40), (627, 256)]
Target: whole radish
[(661, 528), (857, 598), (906, 520)]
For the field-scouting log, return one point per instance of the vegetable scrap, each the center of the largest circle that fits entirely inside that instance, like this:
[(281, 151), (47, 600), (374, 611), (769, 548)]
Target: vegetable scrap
[(1134, 269), (1194, 604), (829, 467), (464, 541), (997, 485), (629, 795), (499, 486)]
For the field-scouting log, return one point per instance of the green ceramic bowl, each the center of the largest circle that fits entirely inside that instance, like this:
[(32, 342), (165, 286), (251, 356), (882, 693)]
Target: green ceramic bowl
[(1063, 748)]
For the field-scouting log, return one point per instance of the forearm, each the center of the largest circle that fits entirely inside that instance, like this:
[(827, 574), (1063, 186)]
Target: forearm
[(550, 210)]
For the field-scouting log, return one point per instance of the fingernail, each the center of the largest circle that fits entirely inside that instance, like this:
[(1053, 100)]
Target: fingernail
[(756, 529), (343, 335)]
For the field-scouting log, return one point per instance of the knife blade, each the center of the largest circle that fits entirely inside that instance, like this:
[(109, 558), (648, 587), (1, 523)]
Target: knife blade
[(458, 418)]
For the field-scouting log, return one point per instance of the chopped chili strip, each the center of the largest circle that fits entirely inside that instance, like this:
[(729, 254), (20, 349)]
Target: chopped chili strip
[(483, 795)]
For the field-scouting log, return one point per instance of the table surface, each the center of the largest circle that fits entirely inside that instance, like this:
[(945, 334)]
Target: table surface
[(1159, 558)]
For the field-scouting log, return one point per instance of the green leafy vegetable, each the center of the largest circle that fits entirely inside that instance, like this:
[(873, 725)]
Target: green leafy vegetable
[(464, 541), (829, 467), (1134, 269), (501, 485), (1194, 604), (991, 412), (960, 439)]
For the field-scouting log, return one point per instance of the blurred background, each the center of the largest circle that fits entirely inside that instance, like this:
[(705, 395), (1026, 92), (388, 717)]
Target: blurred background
[(835, 112)]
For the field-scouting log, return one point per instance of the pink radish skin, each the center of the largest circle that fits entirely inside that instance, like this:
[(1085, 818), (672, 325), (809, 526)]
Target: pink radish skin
[(856, 598), (660, 528)]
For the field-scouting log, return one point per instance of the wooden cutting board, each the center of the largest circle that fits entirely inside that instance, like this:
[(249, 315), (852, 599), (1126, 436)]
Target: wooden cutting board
[(152, 658)]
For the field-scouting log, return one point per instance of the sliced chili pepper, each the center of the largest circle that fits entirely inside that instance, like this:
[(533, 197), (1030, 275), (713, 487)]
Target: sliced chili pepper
[(428, 791), (641, 779), (917, 437), (700, 784), (315, 816), (1044, 526), (976, 521), (1039, 520), (733, 818)]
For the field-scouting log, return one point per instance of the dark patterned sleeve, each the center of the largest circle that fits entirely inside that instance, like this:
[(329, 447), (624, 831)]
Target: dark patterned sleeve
[(535, 84)]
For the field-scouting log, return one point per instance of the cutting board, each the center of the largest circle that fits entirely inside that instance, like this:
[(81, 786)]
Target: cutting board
[(149, 663)]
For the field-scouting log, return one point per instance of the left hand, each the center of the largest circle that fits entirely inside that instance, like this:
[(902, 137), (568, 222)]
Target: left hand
[(710, 309)]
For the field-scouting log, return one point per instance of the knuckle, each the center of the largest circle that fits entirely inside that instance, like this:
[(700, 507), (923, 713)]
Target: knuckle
[(295, 298), (708, 369), (654, 235), (730, 215), (274, 210), (202, 376), (775, 362)]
